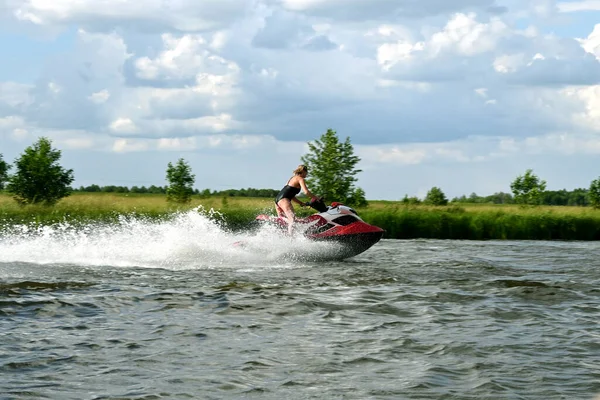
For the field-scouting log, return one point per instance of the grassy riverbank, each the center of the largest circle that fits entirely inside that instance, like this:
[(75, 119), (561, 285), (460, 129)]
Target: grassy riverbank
[(487, 222), (236, 212), (477, 222)]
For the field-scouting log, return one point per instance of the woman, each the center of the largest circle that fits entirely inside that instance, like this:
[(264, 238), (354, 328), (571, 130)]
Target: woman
[(283, 201)]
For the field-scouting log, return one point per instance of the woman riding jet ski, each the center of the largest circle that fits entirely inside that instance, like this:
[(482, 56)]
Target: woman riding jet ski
[(287, 195), (336, 223)]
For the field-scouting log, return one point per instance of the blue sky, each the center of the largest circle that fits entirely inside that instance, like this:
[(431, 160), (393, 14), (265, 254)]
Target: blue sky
[(460, 94)]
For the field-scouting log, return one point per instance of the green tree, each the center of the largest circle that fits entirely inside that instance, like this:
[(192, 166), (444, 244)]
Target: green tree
[(436, 197), (38, 177), (358, 198), (411, 200), (500, 198), (528, 188), (594, 193), (332, 171), (473, 198), (4, 167), (578, 197), (180, 179)]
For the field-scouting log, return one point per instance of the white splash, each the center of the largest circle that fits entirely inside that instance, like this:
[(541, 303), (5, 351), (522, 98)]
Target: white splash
[(188, 240)]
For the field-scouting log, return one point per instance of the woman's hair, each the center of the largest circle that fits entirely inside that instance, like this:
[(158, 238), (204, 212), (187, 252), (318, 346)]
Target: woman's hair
[(300, 169)]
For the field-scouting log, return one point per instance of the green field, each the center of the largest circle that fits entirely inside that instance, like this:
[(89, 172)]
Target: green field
[(467, 221)]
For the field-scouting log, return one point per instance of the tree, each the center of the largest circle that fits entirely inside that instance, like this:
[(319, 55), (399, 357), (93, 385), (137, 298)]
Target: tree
[(500, 198), (473, 198), (38, 177), (358, 198), (436, 197), (4, 167), (411, 200), (594, 193), (578, 197), (332, 168), (180, 179), (528, 188)]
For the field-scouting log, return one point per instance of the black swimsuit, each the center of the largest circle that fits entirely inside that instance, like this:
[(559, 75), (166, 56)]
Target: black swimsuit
[(288, 192)]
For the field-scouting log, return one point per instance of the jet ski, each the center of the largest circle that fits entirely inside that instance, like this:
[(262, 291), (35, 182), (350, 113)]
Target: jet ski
[(336, 223)]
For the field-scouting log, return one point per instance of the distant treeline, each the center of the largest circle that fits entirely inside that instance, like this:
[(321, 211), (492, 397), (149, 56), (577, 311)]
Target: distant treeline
[(577, 197), (250, 192)]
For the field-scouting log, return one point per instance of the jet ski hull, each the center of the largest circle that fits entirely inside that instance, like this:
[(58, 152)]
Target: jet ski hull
[(337, 224), (352, 244)]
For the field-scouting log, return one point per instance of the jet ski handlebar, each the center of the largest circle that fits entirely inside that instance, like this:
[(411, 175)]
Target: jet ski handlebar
[(317, 203)]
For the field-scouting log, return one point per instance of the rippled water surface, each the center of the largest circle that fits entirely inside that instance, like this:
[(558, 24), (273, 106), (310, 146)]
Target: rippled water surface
[(173, 310)]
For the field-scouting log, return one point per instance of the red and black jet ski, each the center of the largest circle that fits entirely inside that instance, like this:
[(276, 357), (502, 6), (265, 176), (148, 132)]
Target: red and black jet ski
[(335, 223)]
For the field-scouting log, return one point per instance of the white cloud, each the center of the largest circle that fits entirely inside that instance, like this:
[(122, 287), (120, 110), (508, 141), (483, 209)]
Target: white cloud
[(588, 116), (20, 134), (129, 145), (383, 9), (99, 97), (465, 36), (576, 6), (414, 84), (462, 47), (184, 57), (14, 94), (392, 155), (151, 16), (79, 143), (543, 8), (466, 49), (286, 30), (11, 122), (509, 63), (188, 144), (78, 90), (124, 126), (478, 149), (591, 44)]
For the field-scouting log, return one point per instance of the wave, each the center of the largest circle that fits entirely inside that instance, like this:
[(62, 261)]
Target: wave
[(186, 240)]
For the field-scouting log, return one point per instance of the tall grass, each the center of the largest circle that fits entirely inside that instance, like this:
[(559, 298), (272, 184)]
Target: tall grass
[(486, 222), (81, 208), (475, 222)]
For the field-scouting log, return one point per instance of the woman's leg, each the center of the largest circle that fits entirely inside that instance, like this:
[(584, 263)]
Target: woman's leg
[(286, 206), (280, 212)]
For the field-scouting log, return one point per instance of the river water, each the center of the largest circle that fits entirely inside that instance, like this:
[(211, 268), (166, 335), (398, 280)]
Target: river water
[(147, 310)]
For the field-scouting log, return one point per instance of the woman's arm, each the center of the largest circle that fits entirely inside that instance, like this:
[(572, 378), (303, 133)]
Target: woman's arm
[(295, 200), (304, 188)]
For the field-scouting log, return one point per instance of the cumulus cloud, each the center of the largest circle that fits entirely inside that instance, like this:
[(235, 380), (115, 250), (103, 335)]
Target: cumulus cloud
[(319, 43), (575, 6), (412, 83), (70, 89), (152, 16), (282, 30), (216, 89), (14, 98), (99, 97), (460, 49), (201, 100), (286, 30), (359, 10), (466, 49), (184, 57), (479, 149), (587, 115), (583, 70), (591, 44)]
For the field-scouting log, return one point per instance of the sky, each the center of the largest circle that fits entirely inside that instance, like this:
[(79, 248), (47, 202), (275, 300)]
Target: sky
[(464, 95)]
